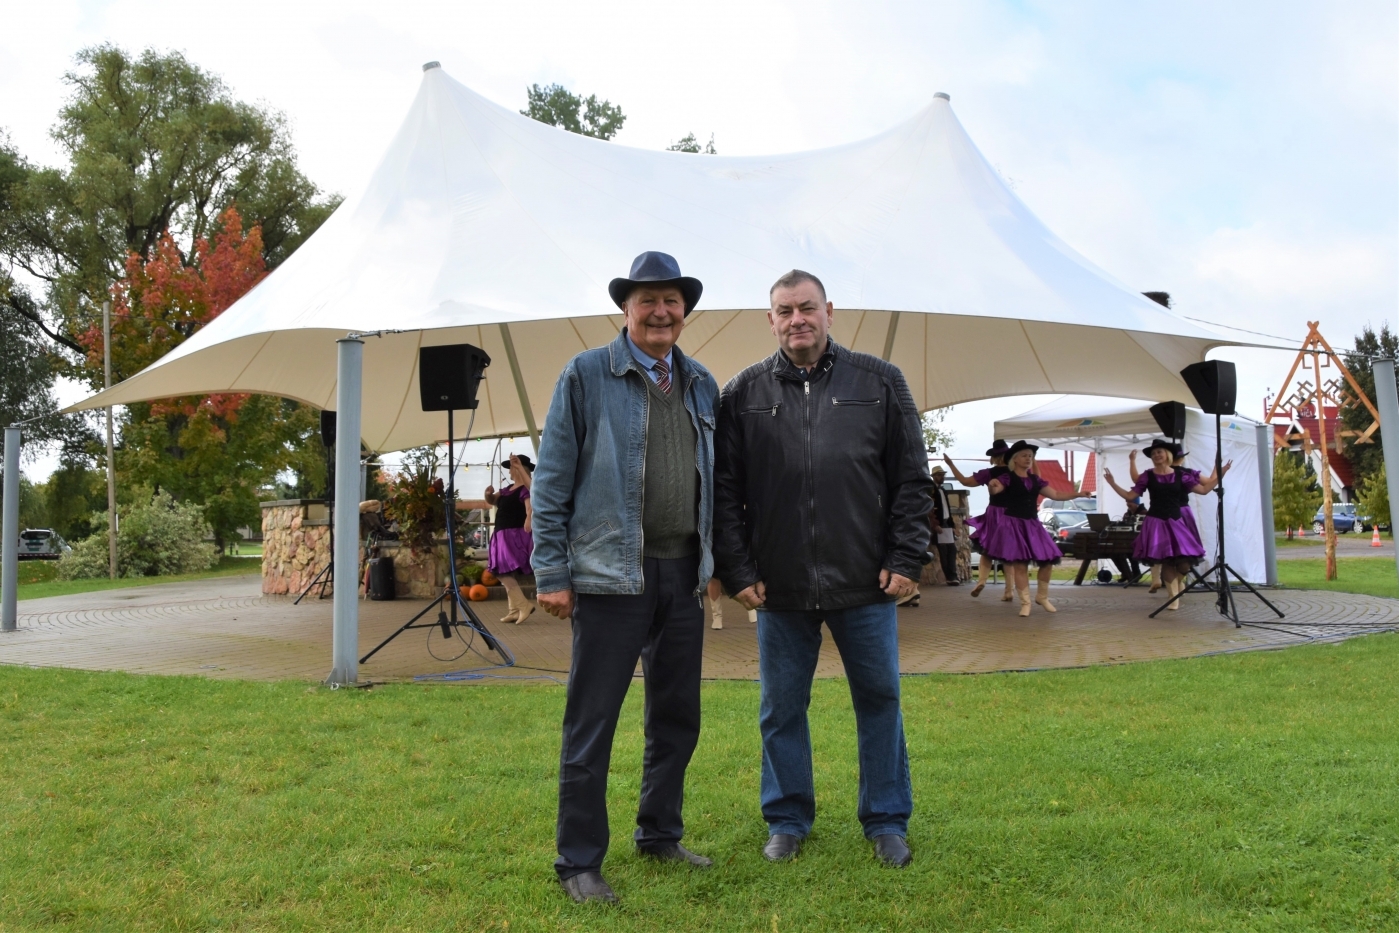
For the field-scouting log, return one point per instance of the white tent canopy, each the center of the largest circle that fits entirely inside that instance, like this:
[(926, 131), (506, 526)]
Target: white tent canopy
[(1113, 428), (482, 226)]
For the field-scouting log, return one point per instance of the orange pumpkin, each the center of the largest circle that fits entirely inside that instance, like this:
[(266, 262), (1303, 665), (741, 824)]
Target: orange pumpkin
[(489, 578), (478, 593)]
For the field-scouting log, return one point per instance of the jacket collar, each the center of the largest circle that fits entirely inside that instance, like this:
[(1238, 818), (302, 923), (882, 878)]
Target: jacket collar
[(621, 359), (784, 368)]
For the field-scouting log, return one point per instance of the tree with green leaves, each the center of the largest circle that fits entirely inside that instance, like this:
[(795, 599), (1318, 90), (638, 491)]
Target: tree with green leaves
[(154, 145), (587, 116), (690, 144), (1296, 496), (1374, 498), (1367, 459), (935, 436)]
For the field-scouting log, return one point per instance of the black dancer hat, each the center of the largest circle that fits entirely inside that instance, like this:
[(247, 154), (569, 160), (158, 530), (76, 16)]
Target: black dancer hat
[(524, 459), (1019, 446), (998, 448), (652, 268)]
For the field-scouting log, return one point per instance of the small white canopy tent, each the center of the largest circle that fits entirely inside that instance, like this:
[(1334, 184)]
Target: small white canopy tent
[(1112, 428), (483, 226)]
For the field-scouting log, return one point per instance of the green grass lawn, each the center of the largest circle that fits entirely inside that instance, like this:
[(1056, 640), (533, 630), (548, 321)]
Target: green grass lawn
[(37, 578), (1369, 575), (1256, 791)]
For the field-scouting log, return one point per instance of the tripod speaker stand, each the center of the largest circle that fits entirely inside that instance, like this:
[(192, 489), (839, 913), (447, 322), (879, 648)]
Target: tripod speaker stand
[(448, 377), (326, 576), (1213, 385)]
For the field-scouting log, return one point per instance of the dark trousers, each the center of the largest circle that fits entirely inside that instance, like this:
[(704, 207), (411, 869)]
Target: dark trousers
[(664, 627), (947, 554)]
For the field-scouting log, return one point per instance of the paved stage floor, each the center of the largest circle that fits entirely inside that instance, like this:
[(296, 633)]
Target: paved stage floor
[(225, 627)]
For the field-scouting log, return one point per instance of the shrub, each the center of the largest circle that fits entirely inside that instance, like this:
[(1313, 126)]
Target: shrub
[(158, 538)]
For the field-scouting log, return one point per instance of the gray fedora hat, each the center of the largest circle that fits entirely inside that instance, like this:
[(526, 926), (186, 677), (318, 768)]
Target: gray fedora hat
[(653, 268)]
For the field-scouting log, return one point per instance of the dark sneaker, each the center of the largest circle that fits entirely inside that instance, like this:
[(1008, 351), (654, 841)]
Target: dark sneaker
[(781, 847), (676, 853), (892, 850)]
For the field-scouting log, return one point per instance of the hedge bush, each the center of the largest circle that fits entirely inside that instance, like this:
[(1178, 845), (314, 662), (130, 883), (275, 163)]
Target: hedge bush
[(158, 538)]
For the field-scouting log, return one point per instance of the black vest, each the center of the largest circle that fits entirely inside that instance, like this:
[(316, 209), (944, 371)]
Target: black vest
[(1018, 499), (510, 510), (998, 498), (1167, 499)]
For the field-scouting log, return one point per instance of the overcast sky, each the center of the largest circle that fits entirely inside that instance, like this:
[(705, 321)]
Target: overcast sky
[(1242, 156)]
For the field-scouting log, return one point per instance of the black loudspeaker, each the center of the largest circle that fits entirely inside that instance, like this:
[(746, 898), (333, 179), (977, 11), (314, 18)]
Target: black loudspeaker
[(448, 376), (1214, 383), (1170, 418), (381, 583), (328, 428)]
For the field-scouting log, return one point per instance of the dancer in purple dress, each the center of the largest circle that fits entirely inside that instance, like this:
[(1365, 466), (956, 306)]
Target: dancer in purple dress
[(1018, 539), (1187, 515), (512, 544), (981, 525), (1168, 537)]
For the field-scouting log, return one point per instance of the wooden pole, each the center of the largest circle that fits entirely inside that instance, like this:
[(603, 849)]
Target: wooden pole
[(1328, 524)]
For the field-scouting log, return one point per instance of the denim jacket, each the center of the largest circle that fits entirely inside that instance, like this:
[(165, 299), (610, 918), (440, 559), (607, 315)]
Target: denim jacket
[(587, 487)]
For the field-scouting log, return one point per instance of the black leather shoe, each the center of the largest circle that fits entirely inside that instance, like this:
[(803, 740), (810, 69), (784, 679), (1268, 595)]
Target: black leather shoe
[(892, 850), (782, 846), (589, 886), (676, 853)]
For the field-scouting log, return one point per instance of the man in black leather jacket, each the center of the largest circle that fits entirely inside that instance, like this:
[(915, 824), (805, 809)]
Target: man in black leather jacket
[(820, 515)]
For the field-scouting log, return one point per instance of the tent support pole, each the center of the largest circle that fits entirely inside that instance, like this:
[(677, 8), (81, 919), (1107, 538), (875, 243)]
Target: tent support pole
[(1387, 400), (9, 547), (1264, 435), (520, 385), (889, 335), (344, 649)]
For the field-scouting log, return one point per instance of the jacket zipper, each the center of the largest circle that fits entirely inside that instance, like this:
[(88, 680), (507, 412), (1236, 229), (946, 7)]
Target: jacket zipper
[(641, 551), (810, 482)]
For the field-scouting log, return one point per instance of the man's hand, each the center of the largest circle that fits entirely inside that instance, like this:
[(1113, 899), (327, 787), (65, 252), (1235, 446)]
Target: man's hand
[(896, 584), (558, 603), (753, 597)]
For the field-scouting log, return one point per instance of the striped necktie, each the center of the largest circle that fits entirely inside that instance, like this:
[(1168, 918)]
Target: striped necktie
[(663, 376)]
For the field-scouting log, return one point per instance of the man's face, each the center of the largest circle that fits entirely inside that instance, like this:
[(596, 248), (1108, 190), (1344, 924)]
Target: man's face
[(655, 316), (800, 319)]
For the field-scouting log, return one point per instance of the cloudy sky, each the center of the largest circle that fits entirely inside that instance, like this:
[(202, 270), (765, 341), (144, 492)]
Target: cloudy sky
[(1242, 156)]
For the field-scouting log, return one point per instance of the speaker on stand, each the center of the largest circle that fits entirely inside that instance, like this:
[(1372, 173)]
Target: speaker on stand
[(448, 377), (326, 576), (1214, 383)]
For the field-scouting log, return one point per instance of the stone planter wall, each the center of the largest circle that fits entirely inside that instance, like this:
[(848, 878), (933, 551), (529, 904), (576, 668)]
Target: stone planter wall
[(295, 544), (416, 576)]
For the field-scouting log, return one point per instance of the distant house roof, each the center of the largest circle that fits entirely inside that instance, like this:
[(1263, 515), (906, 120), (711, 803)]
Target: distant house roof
[(1306, 422)]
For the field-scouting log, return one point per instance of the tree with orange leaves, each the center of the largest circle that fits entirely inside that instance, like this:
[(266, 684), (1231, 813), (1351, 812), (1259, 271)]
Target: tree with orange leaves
[(220, 451)]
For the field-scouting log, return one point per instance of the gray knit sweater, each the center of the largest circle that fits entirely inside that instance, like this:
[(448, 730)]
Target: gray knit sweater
[(668, 516)]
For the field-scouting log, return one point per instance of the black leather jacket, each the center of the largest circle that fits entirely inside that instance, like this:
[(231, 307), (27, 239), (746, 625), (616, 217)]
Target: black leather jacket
[(820, 481)]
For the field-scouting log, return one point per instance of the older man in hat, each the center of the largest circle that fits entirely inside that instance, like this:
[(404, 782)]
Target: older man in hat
[(622, 514), (944, 532)]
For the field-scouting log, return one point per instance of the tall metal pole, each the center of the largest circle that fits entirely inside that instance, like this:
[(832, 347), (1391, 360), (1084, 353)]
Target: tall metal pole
[(111, 466), (345, 598), (519, 376), (9, 527), (1387, 400), (1264, 437)]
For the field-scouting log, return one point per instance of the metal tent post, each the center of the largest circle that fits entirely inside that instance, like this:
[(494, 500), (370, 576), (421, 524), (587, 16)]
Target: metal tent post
[(526, 409), (1264, 435), (345, 599), (1387, 400), (9, 526)]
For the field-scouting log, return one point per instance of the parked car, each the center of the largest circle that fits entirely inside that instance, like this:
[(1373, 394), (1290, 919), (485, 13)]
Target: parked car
[(1055, 519), (41, 544), (1064, 537), (1342, 517)]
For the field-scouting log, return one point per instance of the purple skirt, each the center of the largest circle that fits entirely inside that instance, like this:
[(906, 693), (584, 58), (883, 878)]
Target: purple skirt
[(1166, 539), (1019, 540), (982, 526), (510, 551)]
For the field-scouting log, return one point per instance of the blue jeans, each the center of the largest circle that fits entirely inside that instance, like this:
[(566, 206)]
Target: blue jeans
[(788, 645)]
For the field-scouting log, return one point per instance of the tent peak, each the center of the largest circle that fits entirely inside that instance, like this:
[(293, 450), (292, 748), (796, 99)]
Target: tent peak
[(428, 66), (942, 95)]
